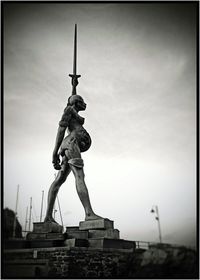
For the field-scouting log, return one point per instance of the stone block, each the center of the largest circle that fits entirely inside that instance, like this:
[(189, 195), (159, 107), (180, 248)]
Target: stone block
[(42, 236), (74, 242), (47, 227), (96, 224), (79, 234), (55, 236), (35, 235), (102, 243), (72, 228), (45, 243), (106, 233)]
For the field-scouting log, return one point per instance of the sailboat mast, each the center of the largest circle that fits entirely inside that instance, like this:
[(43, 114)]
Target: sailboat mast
[(30, 212), (26, 221), (15, 217), (41, 206)]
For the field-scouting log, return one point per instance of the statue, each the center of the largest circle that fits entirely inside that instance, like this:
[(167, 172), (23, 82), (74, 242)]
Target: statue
[(94, 231), (70, 148)]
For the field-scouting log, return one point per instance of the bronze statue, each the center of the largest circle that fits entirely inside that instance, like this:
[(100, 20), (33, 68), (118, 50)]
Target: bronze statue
[(70, 148)]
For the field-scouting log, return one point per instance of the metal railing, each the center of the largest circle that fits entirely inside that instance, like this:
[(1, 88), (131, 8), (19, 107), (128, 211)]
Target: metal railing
[(142, 244), (145, 245)]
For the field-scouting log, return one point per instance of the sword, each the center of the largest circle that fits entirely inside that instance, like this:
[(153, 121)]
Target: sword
[(74, 76)]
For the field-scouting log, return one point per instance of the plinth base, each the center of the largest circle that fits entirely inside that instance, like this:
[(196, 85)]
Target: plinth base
[(45, 243), (43, 236), (47, 227), (79, 234), (102, 243), (106, 233), (99, 228), (99, 233), (96, 224)]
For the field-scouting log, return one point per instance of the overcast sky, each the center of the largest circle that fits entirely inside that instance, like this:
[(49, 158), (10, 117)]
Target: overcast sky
[(138, 77)]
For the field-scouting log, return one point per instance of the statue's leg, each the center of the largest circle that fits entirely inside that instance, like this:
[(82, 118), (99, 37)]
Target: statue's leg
[(54, 188), (76, 163)]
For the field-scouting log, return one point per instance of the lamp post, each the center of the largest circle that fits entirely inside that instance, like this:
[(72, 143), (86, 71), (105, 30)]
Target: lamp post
[(154, 209)]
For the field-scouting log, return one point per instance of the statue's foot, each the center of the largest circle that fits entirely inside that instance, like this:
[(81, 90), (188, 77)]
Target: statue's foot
[(92, 216), (51, 226), (50, 220)]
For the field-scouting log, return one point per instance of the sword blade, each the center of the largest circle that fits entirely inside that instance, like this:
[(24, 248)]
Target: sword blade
[(74, 76), (75, 50)]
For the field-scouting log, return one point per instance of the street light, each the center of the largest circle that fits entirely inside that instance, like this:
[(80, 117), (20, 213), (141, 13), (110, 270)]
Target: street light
[(155, 210)]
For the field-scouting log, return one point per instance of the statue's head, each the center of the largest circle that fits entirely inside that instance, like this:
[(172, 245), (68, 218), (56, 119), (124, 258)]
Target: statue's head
[(78, 101)]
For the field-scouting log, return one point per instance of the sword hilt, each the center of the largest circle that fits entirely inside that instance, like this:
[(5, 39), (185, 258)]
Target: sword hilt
[(74, 82)]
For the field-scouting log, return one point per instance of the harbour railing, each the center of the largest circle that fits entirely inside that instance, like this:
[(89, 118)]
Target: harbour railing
[(145, 245)]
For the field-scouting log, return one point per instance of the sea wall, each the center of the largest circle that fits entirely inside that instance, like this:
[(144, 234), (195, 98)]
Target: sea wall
[(164, 262)]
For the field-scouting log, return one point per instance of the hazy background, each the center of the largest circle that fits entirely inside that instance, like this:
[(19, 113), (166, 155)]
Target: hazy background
[(138, 67)]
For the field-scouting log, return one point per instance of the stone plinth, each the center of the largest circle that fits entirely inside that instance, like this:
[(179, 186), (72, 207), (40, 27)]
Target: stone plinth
[(45, 235), (96, 224), (107, 233), (42, 236), (99, 233), (74, 228), (80, 234), (47, 227)]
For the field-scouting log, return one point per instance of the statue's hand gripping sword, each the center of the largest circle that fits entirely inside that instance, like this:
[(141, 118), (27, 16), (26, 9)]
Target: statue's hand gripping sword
[(74, 76)]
